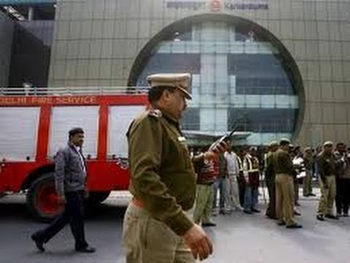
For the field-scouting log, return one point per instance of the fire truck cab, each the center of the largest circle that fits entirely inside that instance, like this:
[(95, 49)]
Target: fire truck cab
[(34, 127)]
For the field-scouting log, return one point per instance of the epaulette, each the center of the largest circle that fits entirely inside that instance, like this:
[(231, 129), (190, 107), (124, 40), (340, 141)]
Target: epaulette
[(155, 113)]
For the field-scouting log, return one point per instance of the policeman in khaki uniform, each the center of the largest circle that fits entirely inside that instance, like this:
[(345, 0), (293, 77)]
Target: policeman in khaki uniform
[(307, 181), (284, 170), (327, 166), (163, 183)]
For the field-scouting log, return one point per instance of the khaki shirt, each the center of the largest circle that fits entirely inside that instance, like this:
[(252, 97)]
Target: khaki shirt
[(308, 161), (326, 164), (162, 174), (283, 163), (269, 167)]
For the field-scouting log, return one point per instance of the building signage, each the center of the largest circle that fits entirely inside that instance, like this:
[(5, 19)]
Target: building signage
[(62, 100), (186, 4), (217, 5), (26, 2), (246, 5)]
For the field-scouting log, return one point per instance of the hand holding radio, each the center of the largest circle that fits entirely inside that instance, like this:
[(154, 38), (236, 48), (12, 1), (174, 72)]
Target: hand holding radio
[(222, 144)]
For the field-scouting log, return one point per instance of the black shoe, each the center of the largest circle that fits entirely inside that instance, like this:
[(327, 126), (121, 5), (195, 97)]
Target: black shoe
[(87, 249), (281, 223), (248, 212), (208, 224), (297, 213), (311, 194), (255, 210), (39, 243), (272, 217), (330, 216), (294, 226), (297, 204), (320, 217), (345, 215)]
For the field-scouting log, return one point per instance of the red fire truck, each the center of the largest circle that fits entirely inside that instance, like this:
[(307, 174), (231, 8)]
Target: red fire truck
[(34, 127)]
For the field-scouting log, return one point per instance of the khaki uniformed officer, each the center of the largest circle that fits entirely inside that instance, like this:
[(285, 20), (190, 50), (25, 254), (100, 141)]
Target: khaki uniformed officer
[(284, 186), (327, 182), (307, 181), (156, 226)]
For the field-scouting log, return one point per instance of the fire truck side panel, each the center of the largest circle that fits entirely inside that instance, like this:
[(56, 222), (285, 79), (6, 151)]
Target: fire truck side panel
[(35, 127), (120, 118), (14, 174), (43, 131), (18, 136), (107, 176), (64, 118)]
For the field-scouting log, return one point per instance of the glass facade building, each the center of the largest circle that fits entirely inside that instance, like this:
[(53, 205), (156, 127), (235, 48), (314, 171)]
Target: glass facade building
[(238, 80), (275, 68), (26, 39)]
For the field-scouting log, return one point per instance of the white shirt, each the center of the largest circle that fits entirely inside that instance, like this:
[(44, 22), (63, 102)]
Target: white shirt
[(232, 163), (81, 157)]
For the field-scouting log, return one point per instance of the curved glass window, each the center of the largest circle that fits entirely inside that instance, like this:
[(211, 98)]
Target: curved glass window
[(239, 79)]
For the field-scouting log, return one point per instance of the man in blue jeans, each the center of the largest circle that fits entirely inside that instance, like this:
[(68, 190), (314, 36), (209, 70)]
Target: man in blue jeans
[(70, 181), (220, 185), (251, 176)]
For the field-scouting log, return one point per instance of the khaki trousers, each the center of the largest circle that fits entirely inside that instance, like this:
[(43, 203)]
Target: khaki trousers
[(325, 205), (233, 192), (285, 198), (147, 240), (204, 203)]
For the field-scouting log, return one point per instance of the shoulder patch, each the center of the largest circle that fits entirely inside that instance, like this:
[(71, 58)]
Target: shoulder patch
[(155, 113)]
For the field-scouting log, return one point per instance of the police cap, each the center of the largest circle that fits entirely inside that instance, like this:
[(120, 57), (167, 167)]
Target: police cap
[(181, 81)]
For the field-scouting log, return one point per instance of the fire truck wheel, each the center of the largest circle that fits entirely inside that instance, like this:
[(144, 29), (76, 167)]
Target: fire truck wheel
[(42, 199), (96, 198)]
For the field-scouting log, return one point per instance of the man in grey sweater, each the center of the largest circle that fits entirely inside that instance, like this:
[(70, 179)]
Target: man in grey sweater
[(70, 181)]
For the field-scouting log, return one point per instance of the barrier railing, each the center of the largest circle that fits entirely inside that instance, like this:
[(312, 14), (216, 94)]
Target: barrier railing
[(57, 91)]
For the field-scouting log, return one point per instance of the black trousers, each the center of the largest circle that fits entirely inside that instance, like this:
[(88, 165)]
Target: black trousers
[(72, 214), (271, 187), (241, 189), (342, 199)]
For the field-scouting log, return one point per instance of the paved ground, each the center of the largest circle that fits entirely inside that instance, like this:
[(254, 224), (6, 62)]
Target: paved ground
[(238, 238)]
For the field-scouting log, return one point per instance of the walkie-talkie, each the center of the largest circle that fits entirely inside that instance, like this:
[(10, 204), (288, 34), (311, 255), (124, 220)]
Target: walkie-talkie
[(226, 138)]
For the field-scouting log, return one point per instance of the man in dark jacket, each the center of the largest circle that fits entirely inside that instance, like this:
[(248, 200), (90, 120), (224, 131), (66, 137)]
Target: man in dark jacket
[(342, 180), (270, 180), (70, 181), (327, 165)]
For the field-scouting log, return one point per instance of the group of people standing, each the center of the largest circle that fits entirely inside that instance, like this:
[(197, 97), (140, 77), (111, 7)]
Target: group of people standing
[(331, 167), (237, 177), (158, 226)]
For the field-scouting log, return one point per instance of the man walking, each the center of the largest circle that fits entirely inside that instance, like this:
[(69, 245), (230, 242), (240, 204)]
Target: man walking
[(70, 179), (157, 227)]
